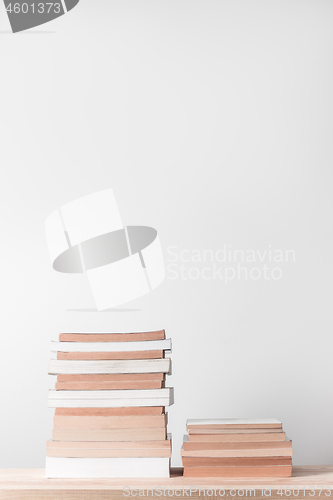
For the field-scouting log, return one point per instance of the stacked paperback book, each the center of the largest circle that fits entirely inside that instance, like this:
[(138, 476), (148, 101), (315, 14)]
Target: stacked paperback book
[(110, 399), (237, 448)]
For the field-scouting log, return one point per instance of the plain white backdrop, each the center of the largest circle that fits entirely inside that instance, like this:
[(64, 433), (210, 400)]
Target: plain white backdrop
[(212, 122)]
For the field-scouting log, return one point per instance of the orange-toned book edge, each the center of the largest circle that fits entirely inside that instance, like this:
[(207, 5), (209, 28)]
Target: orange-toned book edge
[(234, 461), (230, 438), (122, 422), (112, 337), (111, 355), (239, 472), (112, 445), (110, 386), (139, 410), (112, 377), (106, 453), (150, 434), (187, 446)]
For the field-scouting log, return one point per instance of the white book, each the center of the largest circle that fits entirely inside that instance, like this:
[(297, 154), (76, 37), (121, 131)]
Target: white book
[(108, 403), (57, 366), (233, 421), (113, 394), (93, 468), (147, 345)]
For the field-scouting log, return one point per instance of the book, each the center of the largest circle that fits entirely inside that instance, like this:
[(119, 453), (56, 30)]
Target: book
[(188, 445), (110, 366), (110, 377), (149, 434), (151, 345), (235, 461), (236, 423), (239, 472), (102, 386), (62, 467), (112, 445), (112, 337), (115, 422), (105, 412), (108, 355), (229, 438), (214, 431), (118, 394), (110, 399), (109, 403), (108, 453), (265, 449)]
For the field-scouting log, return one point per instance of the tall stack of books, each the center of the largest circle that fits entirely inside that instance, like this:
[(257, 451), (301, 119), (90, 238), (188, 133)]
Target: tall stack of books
[(110, 400), (236, 448)]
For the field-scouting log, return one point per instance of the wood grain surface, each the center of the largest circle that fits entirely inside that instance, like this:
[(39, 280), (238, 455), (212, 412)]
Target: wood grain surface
[(31, 484)]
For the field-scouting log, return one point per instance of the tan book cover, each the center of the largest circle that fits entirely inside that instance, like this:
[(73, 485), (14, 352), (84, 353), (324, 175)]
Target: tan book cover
[(95, 453), (104, 386), (111, 355), (111, 377), (235, 461), (111, 337), (104, 412), (273, 452), (188, 446), (229, 438), (239, 472), (150, 434), (121, 422), (111, 445)]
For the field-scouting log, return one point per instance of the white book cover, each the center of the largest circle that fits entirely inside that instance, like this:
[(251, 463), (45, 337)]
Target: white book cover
[(233, 421), (108, 403), (57, 366), (93, 468), (113, 394), (146, 345)]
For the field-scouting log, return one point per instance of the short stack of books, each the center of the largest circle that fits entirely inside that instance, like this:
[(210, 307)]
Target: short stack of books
[(236, 448), (110, 400)]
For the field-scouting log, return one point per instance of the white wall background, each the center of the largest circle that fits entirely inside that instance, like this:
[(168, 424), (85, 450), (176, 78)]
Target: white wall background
[(212, 121)]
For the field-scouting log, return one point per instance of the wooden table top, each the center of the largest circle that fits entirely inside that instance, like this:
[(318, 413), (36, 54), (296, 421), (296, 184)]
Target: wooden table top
[(303, 476), (307, 482)]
